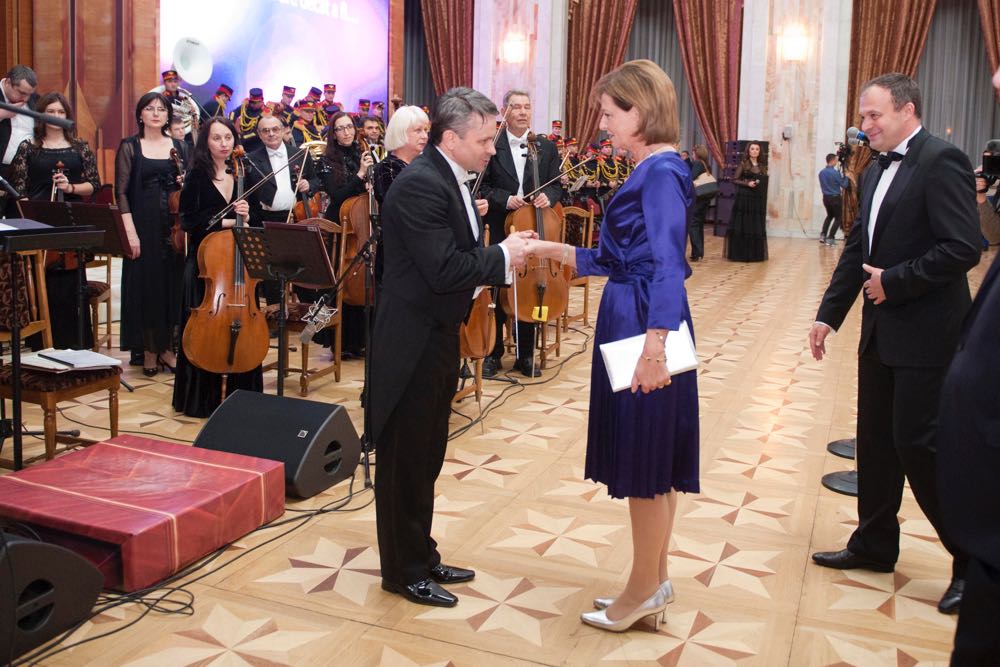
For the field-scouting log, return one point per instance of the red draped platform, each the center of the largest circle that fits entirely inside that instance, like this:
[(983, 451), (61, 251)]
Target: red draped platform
[(142, 509)]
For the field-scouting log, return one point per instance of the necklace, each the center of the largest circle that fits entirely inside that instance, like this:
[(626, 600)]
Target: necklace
[(661, 149)]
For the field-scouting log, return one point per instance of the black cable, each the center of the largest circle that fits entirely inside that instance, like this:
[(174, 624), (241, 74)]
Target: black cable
[(105, 428)]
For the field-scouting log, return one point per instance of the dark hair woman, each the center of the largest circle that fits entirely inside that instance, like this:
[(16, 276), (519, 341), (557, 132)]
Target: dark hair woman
[(209, 188), (34, 175), (746, 238), (144, 178)]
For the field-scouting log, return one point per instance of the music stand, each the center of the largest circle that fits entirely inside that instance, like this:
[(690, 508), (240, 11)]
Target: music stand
[(286, 252)]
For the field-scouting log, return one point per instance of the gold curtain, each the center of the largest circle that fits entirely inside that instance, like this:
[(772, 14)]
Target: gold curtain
[(886, 36), (989, 17), (598, 38), (448, 31), (711, 37)]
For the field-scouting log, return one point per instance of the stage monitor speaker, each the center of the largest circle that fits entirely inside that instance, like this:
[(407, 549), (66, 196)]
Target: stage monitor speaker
[(44, 591), (316, 441)]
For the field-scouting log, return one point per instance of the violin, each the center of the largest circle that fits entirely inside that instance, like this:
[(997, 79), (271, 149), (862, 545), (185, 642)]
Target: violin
[(178, 237), (227, 333), (306, 207), (55, 259), (57, 194), (542, 289)]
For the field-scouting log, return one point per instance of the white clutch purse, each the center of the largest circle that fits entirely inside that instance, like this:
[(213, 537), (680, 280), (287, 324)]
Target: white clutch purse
[(622, 356)]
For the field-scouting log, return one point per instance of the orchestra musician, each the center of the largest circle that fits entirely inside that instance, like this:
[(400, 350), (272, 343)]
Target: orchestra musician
[(364, 106), (372, 131), (184, 106), (305, 129), (209, 188), (277, 195), (285, 108), (245, 118), (434, 260), (504, 185), (217, 105), (55, 161)]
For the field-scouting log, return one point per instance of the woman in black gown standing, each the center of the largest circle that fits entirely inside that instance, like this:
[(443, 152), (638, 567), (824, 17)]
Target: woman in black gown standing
[(208, 189), (34, 166), (151, 278), (746, 239)]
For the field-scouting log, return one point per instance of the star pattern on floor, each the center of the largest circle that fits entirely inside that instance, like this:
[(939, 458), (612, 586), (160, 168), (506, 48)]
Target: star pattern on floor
[(694, 637), (347, 571), (770, 431), (513, 605), (858, 653), (550, 536), (392, 658), (531, 434), (553, 405), (915, 533), (894, 595), (741, 509), (490, 469), (574, 486), (756, 465), (719, 564), (226, 638)]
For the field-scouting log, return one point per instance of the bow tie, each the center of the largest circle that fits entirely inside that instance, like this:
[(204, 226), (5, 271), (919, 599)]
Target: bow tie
[(518, 142), (886, 159)]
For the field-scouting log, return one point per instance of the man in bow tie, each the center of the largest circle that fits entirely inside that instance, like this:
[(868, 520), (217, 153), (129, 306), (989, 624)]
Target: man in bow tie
[(277, 196), (507, 180), (915, 238)]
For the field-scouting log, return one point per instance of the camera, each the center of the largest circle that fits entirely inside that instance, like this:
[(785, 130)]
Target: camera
[(843, 151), (991, 162)]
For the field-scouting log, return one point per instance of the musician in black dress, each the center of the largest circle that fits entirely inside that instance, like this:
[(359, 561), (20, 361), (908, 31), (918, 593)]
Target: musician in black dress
[(151, 277), (35, 176), (746, 238), (209, 188)]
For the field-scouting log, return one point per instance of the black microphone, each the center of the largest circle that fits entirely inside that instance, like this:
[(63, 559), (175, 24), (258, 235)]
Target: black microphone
[(9, 188)]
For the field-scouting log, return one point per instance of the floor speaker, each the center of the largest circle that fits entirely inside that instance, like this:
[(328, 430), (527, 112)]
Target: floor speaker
[(44, 591), (316, 441)]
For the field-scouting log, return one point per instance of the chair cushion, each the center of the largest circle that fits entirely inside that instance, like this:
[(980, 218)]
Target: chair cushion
[(96, 288), (32, 380)]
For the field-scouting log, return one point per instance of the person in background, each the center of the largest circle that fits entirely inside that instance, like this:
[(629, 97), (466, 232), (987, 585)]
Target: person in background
[(17, 88), (832, 182), (746, 238), (696, 226)]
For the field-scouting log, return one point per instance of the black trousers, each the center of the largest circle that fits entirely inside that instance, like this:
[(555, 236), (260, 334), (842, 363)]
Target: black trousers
[(696, 226), (525, 337), (411, 451), (897, 419), (833, 213), (977, 642)]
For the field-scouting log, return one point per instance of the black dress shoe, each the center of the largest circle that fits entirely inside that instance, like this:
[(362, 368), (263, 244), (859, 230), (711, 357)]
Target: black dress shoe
[(525, 366), (845, 560), (952, 598), (491, 366), (449, 574), (423, 592)]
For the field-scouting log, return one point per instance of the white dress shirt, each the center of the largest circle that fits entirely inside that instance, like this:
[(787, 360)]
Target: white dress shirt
[(21, 127), (884, 181), (463, 176), (284, 197), (519, 152)]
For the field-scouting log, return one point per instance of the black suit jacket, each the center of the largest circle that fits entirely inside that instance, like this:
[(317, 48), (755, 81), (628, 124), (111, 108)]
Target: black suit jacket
[(500, 181), (926, 239), (267, 191), (433, 264), (5, 124)]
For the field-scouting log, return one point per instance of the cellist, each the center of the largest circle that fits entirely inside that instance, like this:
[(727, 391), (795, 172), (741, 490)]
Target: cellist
[(209, 188), (504, 185)]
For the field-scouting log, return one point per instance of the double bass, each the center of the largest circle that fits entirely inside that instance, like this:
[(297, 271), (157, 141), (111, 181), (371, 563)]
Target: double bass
[(542, 292), (227, 333)]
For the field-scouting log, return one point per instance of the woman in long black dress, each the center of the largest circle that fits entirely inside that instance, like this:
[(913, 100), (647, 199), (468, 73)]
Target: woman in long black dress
[(344, 170), (34, 175), (208, 189), (151, 278), (746, 239)]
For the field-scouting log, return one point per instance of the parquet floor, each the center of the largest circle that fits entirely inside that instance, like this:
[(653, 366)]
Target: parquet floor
[(512, 504)]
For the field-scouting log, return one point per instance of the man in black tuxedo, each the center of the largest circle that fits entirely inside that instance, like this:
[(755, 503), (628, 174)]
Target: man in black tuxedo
[(16, 88), (278, 195), (915, 238), (507, 179), (969, 459), (434, 261)]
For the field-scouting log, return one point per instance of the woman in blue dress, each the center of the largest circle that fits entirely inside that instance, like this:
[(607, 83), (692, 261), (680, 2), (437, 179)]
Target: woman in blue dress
[(642, 443)]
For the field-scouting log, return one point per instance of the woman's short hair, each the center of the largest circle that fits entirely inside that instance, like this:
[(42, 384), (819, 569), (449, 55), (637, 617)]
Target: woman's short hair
[(145, 101), (402, 120), (643, 85)]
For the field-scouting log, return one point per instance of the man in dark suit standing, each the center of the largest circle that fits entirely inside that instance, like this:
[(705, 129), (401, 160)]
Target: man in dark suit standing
[(916, 237), (434, 262), (18, 89), (506, 181), (969, 460)]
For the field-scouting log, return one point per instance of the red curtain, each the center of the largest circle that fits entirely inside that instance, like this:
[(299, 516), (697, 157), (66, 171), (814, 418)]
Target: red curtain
[(598, 37), (989, 17), (711, 37), (448, 31)]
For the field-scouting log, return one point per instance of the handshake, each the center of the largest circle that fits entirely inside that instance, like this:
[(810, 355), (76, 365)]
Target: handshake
[(521, 245)]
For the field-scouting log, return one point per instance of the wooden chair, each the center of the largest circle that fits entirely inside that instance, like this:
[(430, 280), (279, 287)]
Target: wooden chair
[(578, 231), (99, 292), (297, 312), (44, 389)]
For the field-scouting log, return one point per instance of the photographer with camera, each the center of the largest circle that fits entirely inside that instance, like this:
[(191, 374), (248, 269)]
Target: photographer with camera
[(832, 182), (986, 177)]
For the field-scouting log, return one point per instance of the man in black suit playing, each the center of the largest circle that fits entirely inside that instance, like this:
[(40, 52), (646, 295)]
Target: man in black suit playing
[(278, 195), (969, 459), (506, 181), (915, 238), (18, 89), (434, 261)]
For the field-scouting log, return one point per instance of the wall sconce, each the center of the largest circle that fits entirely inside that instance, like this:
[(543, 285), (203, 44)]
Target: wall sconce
[(514, 48), (793, 44)]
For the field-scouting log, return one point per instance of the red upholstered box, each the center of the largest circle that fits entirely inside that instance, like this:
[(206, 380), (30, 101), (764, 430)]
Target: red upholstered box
[(142, 509)]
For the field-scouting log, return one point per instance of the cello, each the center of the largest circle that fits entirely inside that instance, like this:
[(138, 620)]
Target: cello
[(542, 291), (227, 333), (355, 218)]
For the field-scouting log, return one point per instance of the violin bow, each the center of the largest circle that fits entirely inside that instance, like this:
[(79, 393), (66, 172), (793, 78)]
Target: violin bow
[(496, 137)]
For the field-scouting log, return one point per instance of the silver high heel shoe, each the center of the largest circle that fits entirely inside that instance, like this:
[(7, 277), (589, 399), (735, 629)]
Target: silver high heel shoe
[(655, 606), (604, 603)]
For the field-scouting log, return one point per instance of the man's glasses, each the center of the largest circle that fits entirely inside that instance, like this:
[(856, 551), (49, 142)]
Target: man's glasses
[(270, 130)]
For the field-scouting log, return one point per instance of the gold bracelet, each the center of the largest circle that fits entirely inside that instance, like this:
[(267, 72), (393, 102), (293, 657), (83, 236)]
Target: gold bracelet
[(656, 359)]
